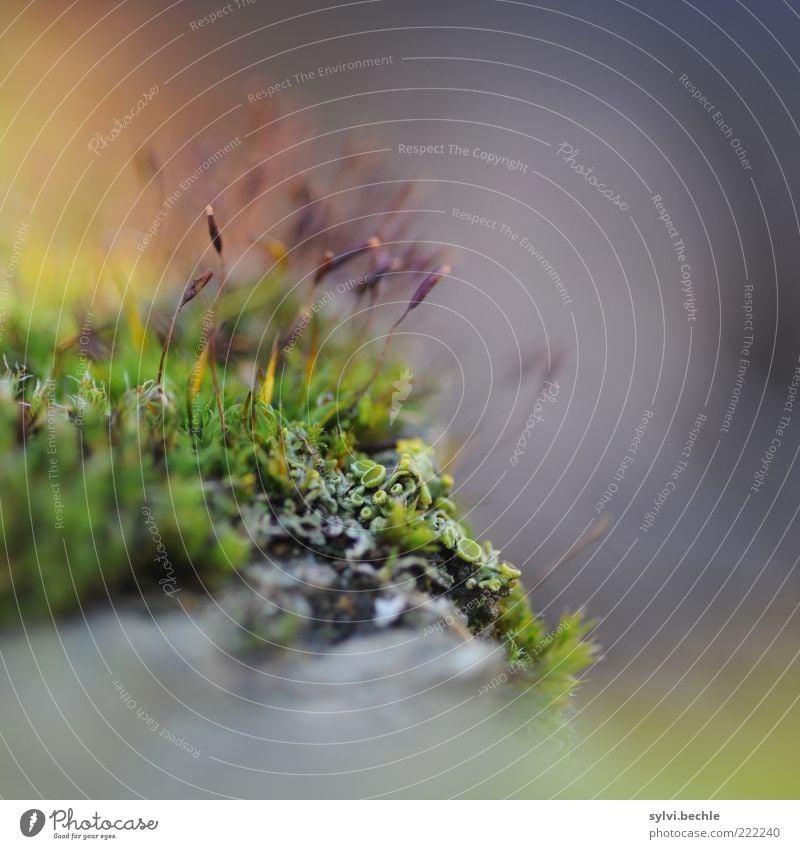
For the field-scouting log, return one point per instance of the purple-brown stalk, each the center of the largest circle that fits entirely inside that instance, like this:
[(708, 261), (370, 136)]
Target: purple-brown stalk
[(216, 241), (417, 298), (192, 290)]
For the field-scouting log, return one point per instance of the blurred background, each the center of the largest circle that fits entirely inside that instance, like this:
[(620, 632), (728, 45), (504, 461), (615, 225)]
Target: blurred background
[(615, 186)]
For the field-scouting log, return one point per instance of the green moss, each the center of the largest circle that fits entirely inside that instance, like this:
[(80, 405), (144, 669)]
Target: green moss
[(121, 487)]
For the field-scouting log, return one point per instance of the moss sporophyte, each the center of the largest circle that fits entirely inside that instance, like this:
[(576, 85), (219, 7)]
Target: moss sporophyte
[(291, 489)]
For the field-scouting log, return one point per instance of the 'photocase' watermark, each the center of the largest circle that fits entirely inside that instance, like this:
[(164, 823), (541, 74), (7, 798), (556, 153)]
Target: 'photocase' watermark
[(100, 141), (168, 583), (402, 389), (569, 154), (548, 395)]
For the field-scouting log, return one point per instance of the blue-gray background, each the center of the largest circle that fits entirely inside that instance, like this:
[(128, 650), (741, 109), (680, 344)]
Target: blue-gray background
[(697, 691)]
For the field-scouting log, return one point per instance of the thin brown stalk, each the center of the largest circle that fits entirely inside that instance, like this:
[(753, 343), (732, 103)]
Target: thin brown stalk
[(192, 290), (417, 298), (594, 533), (216, 241)]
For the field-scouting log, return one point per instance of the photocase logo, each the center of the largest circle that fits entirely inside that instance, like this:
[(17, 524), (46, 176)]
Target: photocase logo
[(31, 822), (402, 389)]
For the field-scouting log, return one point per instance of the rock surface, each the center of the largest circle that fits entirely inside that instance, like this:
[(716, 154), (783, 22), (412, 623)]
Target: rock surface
[(132, 704)]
